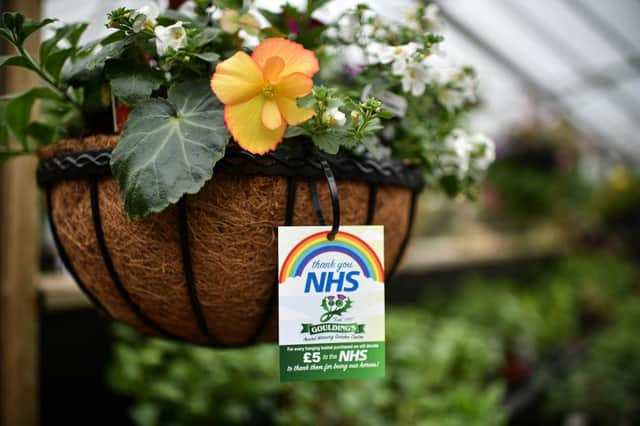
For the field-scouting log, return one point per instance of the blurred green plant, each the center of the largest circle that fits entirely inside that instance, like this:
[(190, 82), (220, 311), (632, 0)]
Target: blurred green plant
[(533, 321), (535, 177), (448, 360), (606, 388), (617, 203), (437, 374)]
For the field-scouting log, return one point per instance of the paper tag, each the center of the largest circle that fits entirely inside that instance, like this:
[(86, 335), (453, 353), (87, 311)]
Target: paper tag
[(331, 303)]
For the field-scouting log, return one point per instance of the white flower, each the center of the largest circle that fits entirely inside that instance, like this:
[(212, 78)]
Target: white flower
[(188, 8), (63, 44), (454, 160), (369, 15), (366, 34), (248, 40), (432, 15), (150, 11), (214, 13), (451, 99), (347, 27), (468, 86), (374, 51), (465, 155), (415, 79), (173, 36), (483, 152), (399, 55), (333, 117)]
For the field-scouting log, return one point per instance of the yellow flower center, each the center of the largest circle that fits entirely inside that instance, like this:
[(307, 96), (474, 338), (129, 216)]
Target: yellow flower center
[(397, 51), (269, 91), (176, 34)]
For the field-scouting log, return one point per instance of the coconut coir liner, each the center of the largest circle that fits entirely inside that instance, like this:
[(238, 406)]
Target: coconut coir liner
[(232, 226)]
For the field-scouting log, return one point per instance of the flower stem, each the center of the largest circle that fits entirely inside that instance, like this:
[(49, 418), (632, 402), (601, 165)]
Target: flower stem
[(46, 77)]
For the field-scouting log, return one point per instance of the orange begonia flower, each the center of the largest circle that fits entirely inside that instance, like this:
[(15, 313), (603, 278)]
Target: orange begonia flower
[(259, 92)]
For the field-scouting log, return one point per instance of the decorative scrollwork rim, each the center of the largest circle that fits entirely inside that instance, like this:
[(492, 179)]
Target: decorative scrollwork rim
[(83, 164)]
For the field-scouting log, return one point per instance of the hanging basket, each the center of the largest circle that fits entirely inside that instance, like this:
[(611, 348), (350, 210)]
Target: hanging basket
[(204, 270)]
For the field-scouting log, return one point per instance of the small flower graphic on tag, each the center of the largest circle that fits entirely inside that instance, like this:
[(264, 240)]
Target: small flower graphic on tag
[(334, 306)]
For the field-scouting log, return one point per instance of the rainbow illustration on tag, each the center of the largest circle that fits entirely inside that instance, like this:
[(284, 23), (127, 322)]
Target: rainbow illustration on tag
[(317, 244)]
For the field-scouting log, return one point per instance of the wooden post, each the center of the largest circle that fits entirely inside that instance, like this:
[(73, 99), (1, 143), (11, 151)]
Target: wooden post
[(19, 251)]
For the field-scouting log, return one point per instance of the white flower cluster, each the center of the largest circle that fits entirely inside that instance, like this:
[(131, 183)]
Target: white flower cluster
[(173, 36), (416, 66), (360, 28), (428, 16), (465, 155), (406, 63), (457, 86)]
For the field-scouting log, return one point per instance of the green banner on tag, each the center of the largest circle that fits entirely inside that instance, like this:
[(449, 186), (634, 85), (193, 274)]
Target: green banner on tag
[(332, 361), (352, 328)]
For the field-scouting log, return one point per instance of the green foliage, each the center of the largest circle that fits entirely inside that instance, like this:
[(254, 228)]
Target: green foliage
[(442, 360), (90, 65), (15, 28), (137, 63), (330, 136), (168, 148), (436, 375), (606, 387), (527, 195), (537, 178), (18, 114), (17, 108), (132, 84), (577, 293)]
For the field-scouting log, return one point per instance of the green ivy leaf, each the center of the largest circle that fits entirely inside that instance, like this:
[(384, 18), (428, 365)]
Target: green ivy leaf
[(133, 85), (168, 148)]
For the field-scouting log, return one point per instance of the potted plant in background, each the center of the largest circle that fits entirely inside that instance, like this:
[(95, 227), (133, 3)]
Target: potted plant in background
[(172, 148)]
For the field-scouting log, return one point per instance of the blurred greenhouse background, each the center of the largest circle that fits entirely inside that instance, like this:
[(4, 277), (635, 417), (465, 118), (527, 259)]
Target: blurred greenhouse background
[(520, 309)]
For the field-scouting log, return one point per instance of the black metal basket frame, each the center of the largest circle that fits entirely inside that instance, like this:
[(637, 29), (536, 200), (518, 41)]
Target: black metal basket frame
[(95, 164)]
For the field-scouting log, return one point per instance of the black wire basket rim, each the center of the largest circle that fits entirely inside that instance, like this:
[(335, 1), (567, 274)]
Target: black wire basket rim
[(83, 164)]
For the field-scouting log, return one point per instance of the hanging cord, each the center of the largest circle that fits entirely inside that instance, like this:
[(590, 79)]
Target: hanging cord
[(335, 200), (317, 208)]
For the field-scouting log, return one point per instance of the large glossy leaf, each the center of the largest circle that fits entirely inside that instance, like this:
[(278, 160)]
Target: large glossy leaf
[(168, 148), (133, 84)]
